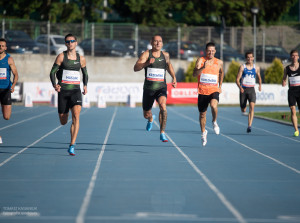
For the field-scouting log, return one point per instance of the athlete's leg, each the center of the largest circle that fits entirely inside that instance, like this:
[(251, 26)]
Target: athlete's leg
[(6, 111), (162, 102), (202, 120), (251, 113), (63, 118), (75, 123), (148, 115), (294, 117), (214, 109)]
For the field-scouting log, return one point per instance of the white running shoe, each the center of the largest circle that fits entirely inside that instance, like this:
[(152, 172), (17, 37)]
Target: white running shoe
[(204, 137), (216, 128), (1, 140)]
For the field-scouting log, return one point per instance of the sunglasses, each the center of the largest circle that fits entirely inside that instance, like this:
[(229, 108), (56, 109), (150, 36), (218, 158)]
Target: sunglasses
[(71, 41)]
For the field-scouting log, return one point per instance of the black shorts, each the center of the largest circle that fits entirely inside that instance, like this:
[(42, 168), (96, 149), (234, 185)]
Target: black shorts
[(5, 96), (67, 99), (293, 98), (248, 95), (204, 100), (149, 97)]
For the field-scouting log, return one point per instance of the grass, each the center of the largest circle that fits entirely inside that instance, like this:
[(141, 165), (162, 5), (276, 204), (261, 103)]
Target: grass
[(281, 116)]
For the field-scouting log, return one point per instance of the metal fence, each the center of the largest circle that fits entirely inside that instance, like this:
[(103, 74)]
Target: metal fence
[(240, 38)]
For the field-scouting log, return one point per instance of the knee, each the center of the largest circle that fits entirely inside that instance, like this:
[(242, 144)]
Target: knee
[(202, 115), (147, 115)]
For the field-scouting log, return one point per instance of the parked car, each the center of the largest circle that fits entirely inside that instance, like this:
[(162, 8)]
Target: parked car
[(188, 50), (271, 52), (57, 44), (19, 42), (229, 53), (105, 47), (130, 45)]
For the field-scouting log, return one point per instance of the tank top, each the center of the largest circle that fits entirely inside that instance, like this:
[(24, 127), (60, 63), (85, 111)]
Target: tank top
[(208, 80), (294, 78), (68, 74), (155, 74), (248, 77), (5, 73)]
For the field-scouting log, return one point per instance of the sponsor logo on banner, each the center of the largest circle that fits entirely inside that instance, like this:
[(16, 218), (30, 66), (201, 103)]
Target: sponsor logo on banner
[(184, 93)]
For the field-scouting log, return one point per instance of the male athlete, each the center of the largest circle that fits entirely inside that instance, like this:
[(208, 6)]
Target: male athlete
[(67, 70), (156, 63), (245, 81), (7, 66), (209, 71), (293, 72)]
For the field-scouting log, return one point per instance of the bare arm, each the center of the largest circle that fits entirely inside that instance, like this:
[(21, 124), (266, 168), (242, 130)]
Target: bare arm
[(221, 75), (259, 78), (198, 67), (238, 79), (284, 77), (13, 68), (170, 69), (143, 61)]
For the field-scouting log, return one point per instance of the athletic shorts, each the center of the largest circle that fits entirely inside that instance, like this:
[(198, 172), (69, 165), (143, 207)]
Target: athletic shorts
[(204, 100), (248, 95), (5, 96), (149, 97), (67, 99), (293, 98)]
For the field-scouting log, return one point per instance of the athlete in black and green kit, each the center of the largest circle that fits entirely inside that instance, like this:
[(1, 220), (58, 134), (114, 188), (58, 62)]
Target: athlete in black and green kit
[(156, 63), (66, 68)]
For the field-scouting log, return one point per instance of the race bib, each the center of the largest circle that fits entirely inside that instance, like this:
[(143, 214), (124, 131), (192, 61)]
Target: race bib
[(3, 74), (294, 81), (248, 81), (71, 77), (209, 79), (155, 74)]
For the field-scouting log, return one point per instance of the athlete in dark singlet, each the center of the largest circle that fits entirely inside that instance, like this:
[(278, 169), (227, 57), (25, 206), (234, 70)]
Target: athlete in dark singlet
[(67, 70), (245, 80), (7, 66), (293, 72), (156, 63)]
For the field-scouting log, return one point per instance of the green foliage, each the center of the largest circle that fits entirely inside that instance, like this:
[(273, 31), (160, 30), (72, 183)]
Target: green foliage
[(274, 73), (189, 73), (232, 72)]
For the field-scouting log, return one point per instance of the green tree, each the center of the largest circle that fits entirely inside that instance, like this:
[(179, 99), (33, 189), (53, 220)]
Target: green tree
[(232, 72), (189, 73), (274, 73)]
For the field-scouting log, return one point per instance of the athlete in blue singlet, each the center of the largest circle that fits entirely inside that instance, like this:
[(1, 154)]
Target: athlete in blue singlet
[(245, 80), (7, 66)]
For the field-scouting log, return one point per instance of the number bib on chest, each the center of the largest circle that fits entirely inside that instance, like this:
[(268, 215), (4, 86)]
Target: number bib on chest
[(3, 74), (294, 81), (71, 77), (155, 74), (209, 79), (248, 81)]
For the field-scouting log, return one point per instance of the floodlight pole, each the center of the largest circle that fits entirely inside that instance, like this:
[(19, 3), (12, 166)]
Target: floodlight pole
[(254, 11)]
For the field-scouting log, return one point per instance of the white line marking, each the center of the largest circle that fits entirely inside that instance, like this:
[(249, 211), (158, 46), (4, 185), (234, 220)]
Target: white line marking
[(219, 194), (260, 153), (32, 144), (25, 120), (83, 209)]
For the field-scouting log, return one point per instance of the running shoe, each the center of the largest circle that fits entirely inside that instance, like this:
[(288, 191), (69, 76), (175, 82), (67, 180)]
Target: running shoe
[(71, 150), (245, 113), (1, 140), (150, 124), (204, 138), (163, 137), (296, 133), (216, 128), (249, 129)]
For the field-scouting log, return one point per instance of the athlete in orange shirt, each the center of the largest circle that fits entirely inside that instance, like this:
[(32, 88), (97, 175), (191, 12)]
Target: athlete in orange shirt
[(209, 71)]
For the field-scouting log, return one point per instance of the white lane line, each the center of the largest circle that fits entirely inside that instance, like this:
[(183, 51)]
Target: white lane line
[(25, 120), (219, 194), (254, 150), (32, 144), (86, 201)]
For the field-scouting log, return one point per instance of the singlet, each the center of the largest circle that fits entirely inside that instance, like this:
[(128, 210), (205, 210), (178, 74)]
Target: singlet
[(155, 74), (294, 78), (68, 74), (5, 73), (208, 80), (248, 77)]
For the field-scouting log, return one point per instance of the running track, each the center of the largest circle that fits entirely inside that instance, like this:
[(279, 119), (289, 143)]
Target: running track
[(122, 173)]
